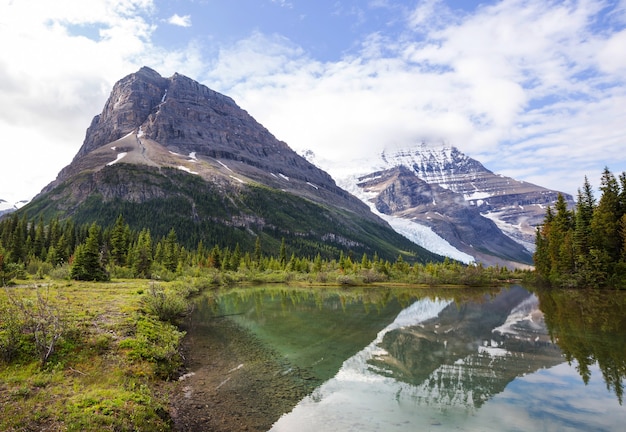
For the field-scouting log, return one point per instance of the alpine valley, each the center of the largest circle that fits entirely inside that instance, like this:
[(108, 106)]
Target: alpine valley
[(171, 153)]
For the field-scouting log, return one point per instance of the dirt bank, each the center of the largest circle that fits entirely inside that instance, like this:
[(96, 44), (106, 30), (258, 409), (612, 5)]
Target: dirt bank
[(234, 383)]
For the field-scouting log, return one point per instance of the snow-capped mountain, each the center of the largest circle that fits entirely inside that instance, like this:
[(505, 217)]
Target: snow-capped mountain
[(7, 207), (487, 216)]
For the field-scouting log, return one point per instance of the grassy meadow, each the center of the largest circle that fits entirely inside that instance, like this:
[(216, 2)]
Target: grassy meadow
[(83, 356)]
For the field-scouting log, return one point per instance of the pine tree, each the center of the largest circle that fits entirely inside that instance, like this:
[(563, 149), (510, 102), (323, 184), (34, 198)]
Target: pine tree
[(120, 240), (235, 258), (142, 255), (87, 264), (605, 221), (257, 250), (170, 251), (39, 243), (317, 263), (365, 262), (282, 256), (582, 235)]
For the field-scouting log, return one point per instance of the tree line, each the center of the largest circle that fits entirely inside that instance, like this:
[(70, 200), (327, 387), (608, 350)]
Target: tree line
[(64, 249), (585, 246)]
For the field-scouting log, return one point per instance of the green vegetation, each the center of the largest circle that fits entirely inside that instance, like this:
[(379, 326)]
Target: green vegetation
[(86, 356), (160, 200), (90, 253), (586, 247)]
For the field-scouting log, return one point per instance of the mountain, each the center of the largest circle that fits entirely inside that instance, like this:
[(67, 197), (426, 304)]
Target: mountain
[(7, 207), (172, 153), (487, 216)]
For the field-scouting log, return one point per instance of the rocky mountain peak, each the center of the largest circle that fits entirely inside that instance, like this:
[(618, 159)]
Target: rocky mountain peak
[(461, 200), (171, 152), (438, 163), (178, 123)]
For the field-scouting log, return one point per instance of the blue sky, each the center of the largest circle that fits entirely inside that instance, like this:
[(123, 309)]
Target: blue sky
[(534, 89)]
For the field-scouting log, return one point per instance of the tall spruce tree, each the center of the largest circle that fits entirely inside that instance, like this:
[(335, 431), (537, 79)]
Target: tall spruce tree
[(605, 222), (170, 251), (142, 255), (585, 207), (87, 263), (120, 240)]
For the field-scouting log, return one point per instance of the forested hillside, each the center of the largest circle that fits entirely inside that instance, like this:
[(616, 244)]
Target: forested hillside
[(67, 250)]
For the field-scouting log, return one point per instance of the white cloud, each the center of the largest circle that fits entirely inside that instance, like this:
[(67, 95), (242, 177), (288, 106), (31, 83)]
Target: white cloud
[(181, 21), (56, 73), (283, 3), (529, 87), (519, 82)]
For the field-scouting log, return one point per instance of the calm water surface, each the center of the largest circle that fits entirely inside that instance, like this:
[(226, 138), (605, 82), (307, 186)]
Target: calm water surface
[(458, 359)]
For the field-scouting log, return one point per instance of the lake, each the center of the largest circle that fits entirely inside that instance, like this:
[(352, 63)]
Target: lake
[(398, 359)]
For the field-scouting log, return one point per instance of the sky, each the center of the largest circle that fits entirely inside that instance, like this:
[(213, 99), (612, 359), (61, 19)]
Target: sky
[(534, 89)]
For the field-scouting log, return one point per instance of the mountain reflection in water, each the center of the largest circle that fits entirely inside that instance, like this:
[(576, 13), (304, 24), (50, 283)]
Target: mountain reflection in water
[(486, 364)]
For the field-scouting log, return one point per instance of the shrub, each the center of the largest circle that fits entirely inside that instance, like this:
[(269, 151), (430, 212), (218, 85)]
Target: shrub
[(156, 342), (38, 319), (166, 306), (11, 330)]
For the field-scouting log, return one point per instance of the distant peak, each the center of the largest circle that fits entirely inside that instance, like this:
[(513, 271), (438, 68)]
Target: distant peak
[(422, 146), (145, 70)]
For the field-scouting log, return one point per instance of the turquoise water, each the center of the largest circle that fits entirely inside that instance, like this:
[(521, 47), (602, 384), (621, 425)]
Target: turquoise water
[(470, 360)]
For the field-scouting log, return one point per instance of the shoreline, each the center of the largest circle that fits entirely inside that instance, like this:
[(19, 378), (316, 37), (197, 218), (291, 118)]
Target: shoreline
[(233, 382)]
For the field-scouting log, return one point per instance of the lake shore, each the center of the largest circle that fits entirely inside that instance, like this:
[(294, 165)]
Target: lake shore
[(233, 382)]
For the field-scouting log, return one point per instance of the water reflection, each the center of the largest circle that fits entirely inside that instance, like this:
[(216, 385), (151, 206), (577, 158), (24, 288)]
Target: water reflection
[(406, 359), (590, 326), (488, 364), (469, 352)]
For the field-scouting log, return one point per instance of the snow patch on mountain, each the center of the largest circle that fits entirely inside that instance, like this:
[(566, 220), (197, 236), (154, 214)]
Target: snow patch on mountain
[(120, 156), (419, 234), (426, 238), (515, 232), (5, 206)]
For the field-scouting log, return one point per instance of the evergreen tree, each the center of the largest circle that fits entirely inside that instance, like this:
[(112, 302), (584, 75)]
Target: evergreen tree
[(39, 243), (87, 265), (142, 255), (215, 257), (170, 251), (257, 250), (282, 256), (235, 258), (365, 262), (605, 222), (120, 240), (561, 241), (317, 263), (582, 235)]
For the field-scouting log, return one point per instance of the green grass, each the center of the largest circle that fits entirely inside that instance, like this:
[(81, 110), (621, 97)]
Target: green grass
[(105, 368)]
